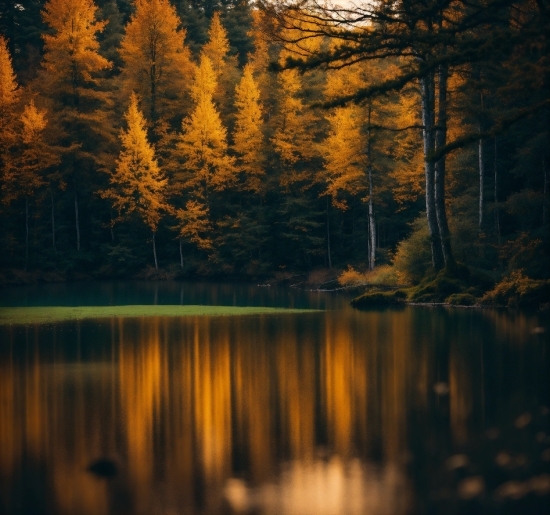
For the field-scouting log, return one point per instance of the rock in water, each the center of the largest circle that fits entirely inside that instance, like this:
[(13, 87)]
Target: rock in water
[(103, 468)]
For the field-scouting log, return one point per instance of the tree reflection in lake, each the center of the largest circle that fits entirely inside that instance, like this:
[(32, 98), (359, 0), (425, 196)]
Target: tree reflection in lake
[(396, 411)]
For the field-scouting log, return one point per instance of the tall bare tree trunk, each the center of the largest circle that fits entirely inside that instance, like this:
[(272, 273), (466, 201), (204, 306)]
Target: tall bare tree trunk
[(181, 254), (26, 232), (155, 251), (428, 113), (77, 221), (497, 214), (372, 224), (328, 237), (440, 142), (53, 222)]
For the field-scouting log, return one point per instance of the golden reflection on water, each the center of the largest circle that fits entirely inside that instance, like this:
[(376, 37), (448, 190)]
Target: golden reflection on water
[(275, 415)]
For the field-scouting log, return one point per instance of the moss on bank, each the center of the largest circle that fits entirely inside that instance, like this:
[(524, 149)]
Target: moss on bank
[(379, 298), (44, 315)]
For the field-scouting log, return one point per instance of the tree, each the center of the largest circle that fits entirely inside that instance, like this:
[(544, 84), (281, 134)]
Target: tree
[(138, 185), (157, 63), (72, 65), (248, 137), (71, 51), (9, 95), (217, 47), (26, 176), (203, 143), (431, 38)]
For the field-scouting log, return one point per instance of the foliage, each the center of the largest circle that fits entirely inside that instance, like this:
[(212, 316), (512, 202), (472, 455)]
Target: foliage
[(518, 290), (137, 184), (241, 170), (412, 259), (461, 299)]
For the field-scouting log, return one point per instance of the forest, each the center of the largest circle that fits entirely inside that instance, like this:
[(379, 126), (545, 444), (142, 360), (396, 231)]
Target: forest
[(400, 144)]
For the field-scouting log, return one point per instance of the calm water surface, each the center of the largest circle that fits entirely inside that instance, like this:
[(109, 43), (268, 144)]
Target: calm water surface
[(405, 411)]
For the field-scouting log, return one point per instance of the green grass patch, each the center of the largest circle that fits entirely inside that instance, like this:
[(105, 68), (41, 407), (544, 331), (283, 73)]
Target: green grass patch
[(44, 315)]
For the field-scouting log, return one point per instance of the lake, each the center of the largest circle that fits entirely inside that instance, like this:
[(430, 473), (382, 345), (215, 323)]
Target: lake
[(338, 411)]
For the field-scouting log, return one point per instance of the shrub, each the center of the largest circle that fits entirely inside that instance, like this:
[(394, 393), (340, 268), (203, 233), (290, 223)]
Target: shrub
[(413, 257), (518, 290), (461, 299), (352, 277)]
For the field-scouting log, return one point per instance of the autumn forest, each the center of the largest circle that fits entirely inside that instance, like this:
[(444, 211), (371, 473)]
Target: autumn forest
[(158, 138)]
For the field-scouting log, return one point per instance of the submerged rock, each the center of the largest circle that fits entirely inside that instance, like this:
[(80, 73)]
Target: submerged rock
[(103, 467)]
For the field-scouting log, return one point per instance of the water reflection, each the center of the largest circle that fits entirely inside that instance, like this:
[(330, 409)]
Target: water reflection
[(322, 413)]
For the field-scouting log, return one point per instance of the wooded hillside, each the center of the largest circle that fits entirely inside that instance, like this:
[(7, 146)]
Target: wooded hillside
[(225, 139)]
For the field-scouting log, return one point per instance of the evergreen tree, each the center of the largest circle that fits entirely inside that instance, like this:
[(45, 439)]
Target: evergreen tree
[(203, 143), (137, 185), (248, 137), (9, 94), (156, 61)]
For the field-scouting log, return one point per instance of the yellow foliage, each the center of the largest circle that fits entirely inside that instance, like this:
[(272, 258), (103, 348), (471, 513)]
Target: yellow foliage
[(8, 83), (138, 185), (384, 275), (194, 224), (351, 277), (157, 62), (344, 153), (203, 144), (217, 46), (293, 134), (71, 51), (25, 175), (8, 97), (34, 122), (248, 137)]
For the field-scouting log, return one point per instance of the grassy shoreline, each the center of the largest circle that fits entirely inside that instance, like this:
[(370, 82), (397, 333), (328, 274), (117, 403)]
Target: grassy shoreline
[(50, 314)]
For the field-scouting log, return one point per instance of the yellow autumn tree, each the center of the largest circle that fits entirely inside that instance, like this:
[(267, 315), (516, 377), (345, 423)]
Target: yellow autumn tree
[(71, 49), (72, 80), (138, 185), (9, 95), (157, 63), (248, 137), (203, 143), (292, 138), (344, 154), (34, 157), (217, 47), (194, 226)]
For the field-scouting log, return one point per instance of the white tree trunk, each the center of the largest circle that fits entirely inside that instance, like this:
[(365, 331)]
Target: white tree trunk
[(181, 255), (372, 225), (428, 112)]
